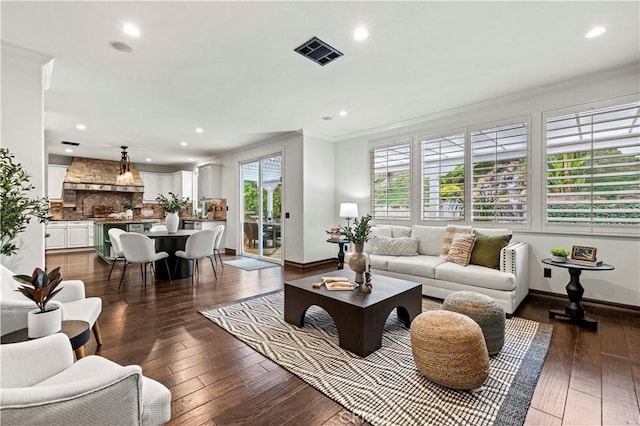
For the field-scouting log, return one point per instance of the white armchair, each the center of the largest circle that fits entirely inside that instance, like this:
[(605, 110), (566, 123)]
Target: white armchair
[(75, 306), (41, 385)]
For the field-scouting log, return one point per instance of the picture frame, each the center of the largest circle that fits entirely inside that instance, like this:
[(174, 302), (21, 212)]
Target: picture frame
[(584, 253), (334, 234)]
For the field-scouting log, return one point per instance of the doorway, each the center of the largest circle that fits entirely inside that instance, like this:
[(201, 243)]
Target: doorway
[(261, 215)]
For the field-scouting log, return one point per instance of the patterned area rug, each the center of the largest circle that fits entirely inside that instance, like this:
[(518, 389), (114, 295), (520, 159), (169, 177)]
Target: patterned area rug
[(386, 388), (249, 264)]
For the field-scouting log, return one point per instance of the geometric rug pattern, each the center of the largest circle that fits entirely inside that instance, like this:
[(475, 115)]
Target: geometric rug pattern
[(249, 264), (386, 388)]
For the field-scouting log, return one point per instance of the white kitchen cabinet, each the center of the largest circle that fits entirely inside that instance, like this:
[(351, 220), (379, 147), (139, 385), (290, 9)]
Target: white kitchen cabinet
[(210, 181), (55, 179), (151, 185), (183, 183), (77, 236), (57, 235), (166, 183)]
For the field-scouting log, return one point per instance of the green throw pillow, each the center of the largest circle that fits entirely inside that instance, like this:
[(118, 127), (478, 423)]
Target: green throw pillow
[(486, 251)]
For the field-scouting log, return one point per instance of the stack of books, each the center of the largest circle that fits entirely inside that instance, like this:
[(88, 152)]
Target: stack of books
[(586, 262)]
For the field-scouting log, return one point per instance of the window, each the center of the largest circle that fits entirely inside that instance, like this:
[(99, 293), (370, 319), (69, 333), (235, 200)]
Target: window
[(593, 167), (443, 178), (391, 181), (499, 174)]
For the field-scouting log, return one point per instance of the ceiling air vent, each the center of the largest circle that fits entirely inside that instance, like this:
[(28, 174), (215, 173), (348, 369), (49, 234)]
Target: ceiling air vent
[(70, 143), (318, 51)]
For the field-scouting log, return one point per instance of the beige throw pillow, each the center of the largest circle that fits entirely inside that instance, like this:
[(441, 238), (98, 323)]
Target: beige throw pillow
[(395, 246), (449, 232), (461, 248)]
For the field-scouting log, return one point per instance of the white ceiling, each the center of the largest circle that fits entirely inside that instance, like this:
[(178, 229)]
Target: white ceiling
[(230, 68)]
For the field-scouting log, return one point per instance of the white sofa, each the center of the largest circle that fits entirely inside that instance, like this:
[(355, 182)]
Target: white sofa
[(439, 277)]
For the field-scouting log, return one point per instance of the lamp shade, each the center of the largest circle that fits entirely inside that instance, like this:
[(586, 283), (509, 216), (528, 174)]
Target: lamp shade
[(348, 210)]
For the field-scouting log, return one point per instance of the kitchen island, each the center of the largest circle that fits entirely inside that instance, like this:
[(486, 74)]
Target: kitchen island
[(101, 233)]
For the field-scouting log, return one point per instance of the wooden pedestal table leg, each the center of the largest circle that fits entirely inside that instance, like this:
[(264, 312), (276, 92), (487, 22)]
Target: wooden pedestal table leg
[(79, 352)]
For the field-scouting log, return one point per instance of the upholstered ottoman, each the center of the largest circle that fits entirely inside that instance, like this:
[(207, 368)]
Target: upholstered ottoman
[(485, 311), (449, 349)]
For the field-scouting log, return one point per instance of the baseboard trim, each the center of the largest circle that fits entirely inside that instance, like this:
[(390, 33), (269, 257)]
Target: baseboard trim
[(311, 265), (630, 309)]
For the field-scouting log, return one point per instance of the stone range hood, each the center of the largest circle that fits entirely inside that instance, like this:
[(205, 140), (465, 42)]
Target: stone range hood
[(89, 174)]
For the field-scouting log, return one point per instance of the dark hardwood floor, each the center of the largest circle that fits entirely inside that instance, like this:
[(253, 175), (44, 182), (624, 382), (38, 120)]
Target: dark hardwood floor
[(588, 377)]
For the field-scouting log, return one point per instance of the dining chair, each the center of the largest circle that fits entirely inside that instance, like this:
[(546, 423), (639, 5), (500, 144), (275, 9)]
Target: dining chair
[(198, 246), (138, 248), (217, 242), (114, 238)]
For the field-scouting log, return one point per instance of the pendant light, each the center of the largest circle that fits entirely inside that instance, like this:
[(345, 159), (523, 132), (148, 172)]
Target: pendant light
[(125, 177)]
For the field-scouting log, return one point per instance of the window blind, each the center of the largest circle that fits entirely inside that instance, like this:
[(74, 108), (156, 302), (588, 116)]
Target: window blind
[(593, 167), (390, 168), (499, 160), (443, 178)]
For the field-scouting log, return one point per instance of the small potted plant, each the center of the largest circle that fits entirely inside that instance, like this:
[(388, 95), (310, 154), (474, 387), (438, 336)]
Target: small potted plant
[(358, 235), (128, 206), (172, 205), (559, 254), (40, 287)]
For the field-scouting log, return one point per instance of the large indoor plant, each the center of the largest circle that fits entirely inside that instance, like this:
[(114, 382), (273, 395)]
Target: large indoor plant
[(40, 287), (172, 205), (358, 235), (16, 207)]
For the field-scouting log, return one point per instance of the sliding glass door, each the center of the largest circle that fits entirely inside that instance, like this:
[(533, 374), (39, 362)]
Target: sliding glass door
[(261, 215)]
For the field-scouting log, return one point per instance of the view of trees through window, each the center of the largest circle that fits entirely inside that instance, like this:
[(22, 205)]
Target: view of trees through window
[(391, 182), (593, 167)]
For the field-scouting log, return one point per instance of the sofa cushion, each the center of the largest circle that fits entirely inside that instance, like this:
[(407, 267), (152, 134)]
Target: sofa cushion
[(461, 247), (395, 246), (378, 230), (422, 266), (378, 261), (400, 231), (486, 251), (430, 238), (449, 232), (474, 275)]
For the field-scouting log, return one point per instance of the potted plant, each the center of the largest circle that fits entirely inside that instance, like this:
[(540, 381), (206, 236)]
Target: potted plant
[(172, 205), (40, 287), (16, 208), (358, 235), (559, 254), (128, 206)]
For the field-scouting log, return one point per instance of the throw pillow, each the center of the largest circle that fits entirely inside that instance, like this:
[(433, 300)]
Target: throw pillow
[(395, 246), (378, 230), (461, 248), (449, 232), (486, 251)]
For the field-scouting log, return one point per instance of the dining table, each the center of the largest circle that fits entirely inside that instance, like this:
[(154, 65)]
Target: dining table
[(171, 242)]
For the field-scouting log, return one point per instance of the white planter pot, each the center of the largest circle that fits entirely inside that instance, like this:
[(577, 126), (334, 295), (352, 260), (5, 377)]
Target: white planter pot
[(42, 324), (559, 259), (172, 222), (128, 213)]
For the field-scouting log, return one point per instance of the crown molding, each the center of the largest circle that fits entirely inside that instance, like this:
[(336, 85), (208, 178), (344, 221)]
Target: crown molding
[(20, 52)]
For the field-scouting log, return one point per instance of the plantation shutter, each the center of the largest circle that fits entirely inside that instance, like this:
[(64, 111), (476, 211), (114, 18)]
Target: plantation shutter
[(593, 167), (499, 159), (443, 178), (390, 168)]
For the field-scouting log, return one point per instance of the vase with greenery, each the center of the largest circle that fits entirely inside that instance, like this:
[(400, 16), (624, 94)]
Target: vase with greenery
[(358, 235), (128, 206), (40, 288), (559, 254), (172, 205), (16, 207)]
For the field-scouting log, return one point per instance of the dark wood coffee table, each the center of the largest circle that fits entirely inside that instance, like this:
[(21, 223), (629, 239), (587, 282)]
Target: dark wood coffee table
[(359, 317)]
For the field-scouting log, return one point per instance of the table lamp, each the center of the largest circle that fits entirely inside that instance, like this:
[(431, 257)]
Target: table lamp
[(348, 211)]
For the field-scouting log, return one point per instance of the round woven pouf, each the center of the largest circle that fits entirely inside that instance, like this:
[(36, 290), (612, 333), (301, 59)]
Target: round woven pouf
[(448, 348), (485, 311)]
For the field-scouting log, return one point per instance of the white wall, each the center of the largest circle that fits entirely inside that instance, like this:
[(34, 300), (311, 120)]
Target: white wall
[(621, 285), (319, 197), (23, 134)]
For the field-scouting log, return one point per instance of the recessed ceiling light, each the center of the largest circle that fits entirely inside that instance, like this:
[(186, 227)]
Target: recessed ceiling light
[(360, 33), (81, 127), (595, 32), (183, 143), (343, 113), (148, 159), (68, 150), (131, 29), (121, 47), (199, 130)]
